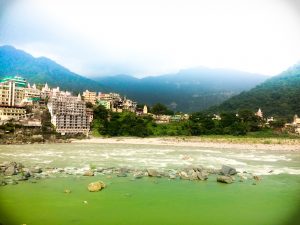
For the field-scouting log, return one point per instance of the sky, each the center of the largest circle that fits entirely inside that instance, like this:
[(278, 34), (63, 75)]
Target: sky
[(152, 37)]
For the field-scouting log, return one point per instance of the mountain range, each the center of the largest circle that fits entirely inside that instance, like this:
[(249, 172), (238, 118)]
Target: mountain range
[(42, 70), (187, 91), (277, 96)]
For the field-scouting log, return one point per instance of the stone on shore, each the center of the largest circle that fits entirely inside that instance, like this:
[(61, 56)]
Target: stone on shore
[(225, 179), (227, 170), (153, 173), (201, 175), (183, 175), (138, 175), (88, 173), (96, 186)]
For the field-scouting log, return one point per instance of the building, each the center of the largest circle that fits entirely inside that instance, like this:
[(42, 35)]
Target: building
[(31, 94), (128, 105), (296, 124), (145, 110), (115, 103), (259, 113), (12, 91), (89, 96), (106, 104), (8, 113), (90, 114), (68, 113)]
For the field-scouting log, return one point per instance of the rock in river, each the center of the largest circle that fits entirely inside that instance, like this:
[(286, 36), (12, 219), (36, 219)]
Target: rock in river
[(152, 173), (227, 170), (96, 186), (11, 170), (225, 179), (88, 173)]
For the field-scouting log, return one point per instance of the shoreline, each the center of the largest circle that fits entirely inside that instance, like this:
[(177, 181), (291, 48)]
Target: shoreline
[(239, 144)]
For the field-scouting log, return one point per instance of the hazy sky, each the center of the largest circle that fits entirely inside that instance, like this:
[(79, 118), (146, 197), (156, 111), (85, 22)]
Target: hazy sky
[(149, 37)]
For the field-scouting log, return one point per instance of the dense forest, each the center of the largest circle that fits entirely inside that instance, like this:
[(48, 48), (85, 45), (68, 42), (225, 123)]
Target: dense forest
[(279, 96), (129, 124)]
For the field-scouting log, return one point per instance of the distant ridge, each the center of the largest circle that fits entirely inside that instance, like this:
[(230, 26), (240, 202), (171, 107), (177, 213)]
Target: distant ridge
[(277, 96), (188, 90), (41, 70)]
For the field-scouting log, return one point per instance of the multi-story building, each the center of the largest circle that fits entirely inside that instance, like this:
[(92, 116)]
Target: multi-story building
[(31, 94), (116, 103), (7, 113), (106, 104), (89, 96), (12, 91), (12, 94), (68, 113)]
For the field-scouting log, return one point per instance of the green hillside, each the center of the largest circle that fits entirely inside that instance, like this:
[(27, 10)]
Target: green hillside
[(278, 96), (41, 70), (188, 90)]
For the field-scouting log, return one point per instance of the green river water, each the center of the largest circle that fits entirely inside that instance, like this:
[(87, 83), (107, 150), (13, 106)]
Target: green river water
[(273, 201)]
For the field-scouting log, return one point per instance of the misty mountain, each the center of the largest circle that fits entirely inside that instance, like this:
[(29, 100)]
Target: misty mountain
[(277, 96), (188, 90), (41, 70)]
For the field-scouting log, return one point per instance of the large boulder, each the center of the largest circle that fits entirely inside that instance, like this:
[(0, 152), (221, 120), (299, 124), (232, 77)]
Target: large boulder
[(227, 170), (96, 186), (224, 179), (10, 170)]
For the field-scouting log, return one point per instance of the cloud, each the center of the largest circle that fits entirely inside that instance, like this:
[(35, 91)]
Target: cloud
[(102, 37)]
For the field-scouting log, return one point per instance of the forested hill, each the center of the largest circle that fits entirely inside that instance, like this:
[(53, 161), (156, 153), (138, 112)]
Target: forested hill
[(41, 70), (277, 96), (189, 90)]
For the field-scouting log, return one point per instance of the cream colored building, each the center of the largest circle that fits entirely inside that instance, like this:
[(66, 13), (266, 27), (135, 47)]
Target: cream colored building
[(90, 96), (7, 113), (145, 110), (12, 91)]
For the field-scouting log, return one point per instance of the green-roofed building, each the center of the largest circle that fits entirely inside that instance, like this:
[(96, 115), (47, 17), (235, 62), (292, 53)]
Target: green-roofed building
[(19, 81), (12, 91)]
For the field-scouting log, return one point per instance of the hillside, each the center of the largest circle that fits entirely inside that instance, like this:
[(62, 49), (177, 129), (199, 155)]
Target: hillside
[(42, 70), (188, 90), (277, 96)]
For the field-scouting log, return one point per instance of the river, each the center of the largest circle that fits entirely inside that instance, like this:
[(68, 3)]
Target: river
[(274, 200)]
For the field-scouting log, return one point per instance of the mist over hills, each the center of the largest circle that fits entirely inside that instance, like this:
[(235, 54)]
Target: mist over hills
[(188, 90), (277, 96), (41, 70)]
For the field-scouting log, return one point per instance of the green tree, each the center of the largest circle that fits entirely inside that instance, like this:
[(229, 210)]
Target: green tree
[(160, 109)]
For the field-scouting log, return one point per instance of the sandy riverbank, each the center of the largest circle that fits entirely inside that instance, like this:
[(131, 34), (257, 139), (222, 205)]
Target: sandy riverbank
[(255, 144)]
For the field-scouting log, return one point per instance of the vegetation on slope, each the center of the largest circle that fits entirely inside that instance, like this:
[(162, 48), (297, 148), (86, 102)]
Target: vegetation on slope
[(278, 96), (42, 70)]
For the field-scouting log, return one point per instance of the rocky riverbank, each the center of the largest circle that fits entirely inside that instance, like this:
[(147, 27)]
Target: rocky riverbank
[(13, 173)]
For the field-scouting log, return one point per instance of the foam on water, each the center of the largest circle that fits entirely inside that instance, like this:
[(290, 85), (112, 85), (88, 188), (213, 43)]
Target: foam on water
[(164, 157)]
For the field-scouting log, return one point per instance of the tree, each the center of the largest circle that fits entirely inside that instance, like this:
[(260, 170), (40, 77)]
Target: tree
[(47, 127), (250, 120), (160, 109), (100, 113), (89, 105)]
